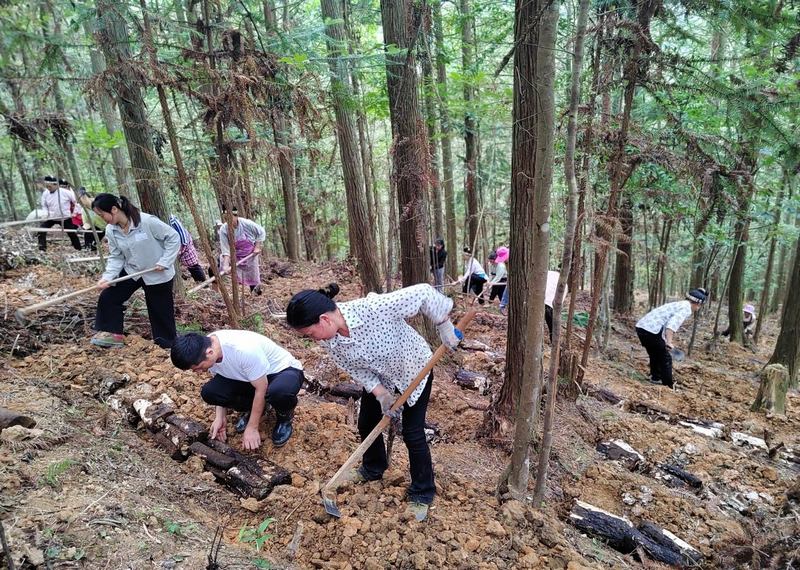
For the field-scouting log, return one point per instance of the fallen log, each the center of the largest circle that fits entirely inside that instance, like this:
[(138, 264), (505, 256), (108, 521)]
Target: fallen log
[(195, 431), (619, 450), (10, 418), (166, 443), (668, 540), (620, 534), (603, 395), (674, 471), (211, 457), (252, 477), (472, 380), (652, 411), (153, 414), (346, 390)]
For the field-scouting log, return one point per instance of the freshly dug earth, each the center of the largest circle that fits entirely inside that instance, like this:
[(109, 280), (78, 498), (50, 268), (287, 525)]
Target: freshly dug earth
[(86, 489)]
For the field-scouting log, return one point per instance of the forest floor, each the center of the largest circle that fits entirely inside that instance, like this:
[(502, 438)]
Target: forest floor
[(86, 489)]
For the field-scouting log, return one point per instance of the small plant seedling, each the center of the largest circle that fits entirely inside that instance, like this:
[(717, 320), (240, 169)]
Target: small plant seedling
[(256, 535), (262, 563), (55, 470), (178, 528)]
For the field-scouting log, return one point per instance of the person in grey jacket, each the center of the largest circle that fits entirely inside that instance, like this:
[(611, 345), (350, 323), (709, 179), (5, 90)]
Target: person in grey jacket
[(136, 242)]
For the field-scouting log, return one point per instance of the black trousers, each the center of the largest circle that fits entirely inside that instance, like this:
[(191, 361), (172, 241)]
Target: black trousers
[(548, 318), (660, 357), (282, 389), (375, 462), (197, 272), (67, 225), (497, 291), (476, 283), (88, 239), (160, 309)]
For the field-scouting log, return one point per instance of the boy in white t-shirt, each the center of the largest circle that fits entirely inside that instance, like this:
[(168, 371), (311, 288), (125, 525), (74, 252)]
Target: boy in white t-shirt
[(249, 370)]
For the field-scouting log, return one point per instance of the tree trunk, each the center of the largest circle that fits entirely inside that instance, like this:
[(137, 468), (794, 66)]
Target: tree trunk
[(8, 189), (571, 219), (470, 123), (401, 27), (787, 347), (183, 180), (114, 40), (624, 271), (531, 179), (447, 153), (282, 131), (429, 89), (362, 239), (736, 286), (773, 242), (19, 161), (110, 121)]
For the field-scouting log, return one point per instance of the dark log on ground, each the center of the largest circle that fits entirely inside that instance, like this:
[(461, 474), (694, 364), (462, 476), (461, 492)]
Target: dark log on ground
[(652, 411), (251, 476), (153, 415), (280, 268), (681, 474), (167, 444), (194, 430), (620, 534), (211, 457), (10, 418), (472, 380), (622, 451), (179, 438), (603, 394), (346, 390), (668, 540)]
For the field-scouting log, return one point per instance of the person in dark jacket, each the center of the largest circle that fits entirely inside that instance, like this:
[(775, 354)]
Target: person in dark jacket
[(438, 258)]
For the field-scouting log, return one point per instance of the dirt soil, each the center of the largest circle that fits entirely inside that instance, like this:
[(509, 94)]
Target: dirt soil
[(85, 489)]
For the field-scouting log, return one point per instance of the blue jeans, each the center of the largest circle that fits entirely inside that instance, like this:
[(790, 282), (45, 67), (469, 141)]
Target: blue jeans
[(504, 299), (438, 277)]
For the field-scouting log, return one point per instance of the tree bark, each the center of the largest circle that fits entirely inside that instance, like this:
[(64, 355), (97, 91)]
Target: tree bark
[(571, 219), (531, 179), (736, 287), (773, 242), (624, 270), (787, 347), (470, 123), (429, 89), (401, 26), (362, 239), (114, 40), (447, 153), (282, 132)]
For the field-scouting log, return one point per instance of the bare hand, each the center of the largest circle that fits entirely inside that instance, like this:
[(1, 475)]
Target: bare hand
[(251, 439), (219, 429), (103, 284), (159, 268)]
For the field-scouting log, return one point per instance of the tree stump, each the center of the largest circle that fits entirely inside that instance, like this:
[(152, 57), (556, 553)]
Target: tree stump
[(771, 396), (10, 418)]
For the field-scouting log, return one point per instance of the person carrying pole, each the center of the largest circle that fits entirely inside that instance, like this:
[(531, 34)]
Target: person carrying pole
[(474, 276), (657, 328), (248, 239), (370, 339), (59, 203), (136, 241)]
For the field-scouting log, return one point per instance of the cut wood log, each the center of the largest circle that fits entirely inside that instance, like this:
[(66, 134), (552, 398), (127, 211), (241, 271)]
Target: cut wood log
[(673, 471), (709, 429), (472, 381), (603, 395), (163, 441), (212, 458), (652, 411), (346, 390), (10, 418), (195, 431), (153, 414), (251, 476), (620, 534), (619, 450), (179, 439), (668, 540)]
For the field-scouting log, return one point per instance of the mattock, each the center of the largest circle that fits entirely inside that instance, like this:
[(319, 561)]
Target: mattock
[(22, 314)]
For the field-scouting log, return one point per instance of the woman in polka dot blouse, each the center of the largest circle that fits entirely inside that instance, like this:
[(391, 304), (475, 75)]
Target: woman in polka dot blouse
[(370, 339)]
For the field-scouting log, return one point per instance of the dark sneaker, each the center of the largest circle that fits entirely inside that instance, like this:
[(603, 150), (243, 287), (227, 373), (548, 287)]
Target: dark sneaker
[(283, 429)]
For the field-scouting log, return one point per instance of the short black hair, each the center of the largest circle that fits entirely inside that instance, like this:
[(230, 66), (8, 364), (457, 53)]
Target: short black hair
[(306, 307), (62, 182), (439, 241), (189, 350), (51, 179)]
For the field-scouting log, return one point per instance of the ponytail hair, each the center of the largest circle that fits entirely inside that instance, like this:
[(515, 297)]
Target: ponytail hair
[(306, 307), (104, 202)]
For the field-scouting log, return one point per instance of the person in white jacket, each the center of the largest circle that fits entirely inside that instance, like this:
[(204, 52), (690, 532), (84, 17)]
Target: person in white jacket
[(59, 203), (136, 241)]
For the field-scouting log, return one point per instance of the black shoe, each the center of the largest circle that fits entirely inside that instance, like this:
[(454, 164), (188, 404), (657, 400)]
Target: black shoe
[(283, 428), (242, 423)]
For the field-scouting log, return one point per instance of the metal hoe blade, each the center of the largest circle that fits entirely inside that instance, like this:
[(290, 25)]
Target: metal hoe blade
[(329, 502), (677, 354)]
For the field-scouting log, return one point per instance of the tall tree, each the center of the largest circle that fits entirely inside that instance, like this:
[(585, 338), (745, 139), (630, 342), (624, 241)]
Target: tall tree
[(113, 38), (362, 239), (447, 152), (401, 28), (471, 140), (282, 131), (531, 178), (787, 347)]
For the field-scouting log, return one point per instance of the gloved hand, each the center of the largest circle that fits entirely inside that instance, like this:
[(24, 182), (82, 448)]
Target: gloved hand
[(386, 400), (449, 334)]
